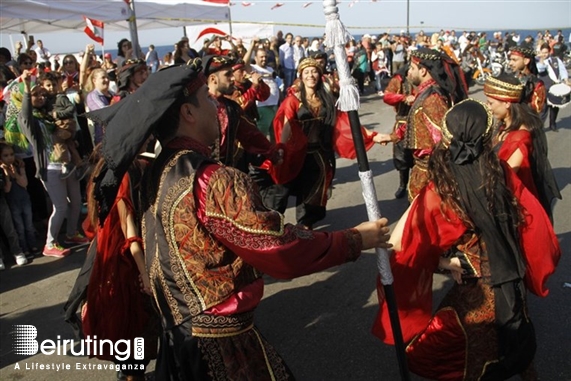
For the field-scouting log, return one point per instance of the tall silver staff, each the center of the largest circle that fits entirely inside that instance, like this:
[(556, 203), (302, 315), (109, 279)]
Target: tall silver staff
[(337, 37)]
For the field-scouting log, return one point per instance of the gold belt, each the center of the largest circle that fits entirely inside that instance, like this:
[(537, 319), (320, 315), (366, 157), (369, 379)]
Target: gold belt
[(221, 326), (422, 163)]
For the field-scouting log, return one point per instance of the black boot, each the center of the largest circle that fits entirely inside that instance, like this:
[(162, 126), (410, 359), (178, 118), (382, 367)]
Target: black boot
[(553, 111), (401, 191)]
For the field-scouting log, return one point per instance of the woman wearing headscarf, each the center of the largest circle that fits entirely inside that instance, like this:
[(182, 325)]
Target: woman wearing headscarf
[(476, 220), (519, 139)]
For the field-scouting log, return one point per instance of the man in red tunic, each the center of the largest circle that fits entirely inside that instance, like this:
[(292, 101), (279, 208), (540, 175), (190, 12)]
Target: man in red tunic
[(439, 83), (522, 62), (249, 88), (237, 132), (399, 93)]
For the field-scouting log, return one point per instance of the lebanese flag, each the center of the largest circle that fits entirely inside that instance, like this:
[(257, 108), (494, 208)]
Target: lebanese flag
[(277, 6), (94, 29), (307, 4)]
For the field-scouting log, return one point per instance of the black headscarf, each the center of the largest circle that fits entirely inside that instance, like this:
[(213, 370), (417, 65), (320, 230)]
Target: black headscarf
[(130, 122), (467, 127), (444, 70), (526, 53)]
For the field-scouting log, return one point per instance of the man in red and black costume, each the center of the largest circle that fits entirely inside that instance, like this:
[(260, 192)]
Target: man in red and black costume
[(237, 132), (399, 93), (207, 237), (213, 46), (439, 83), (522, 62)]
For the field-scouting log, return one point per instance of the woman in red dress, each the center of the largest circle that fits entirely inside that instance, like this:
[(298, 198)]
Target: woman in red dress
[(310, 130), (119, 306), (476, 220), (520, 140)]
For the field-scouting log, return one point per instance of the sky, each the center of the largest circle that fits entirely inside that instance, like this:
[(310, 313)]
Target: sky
[(364, 16)]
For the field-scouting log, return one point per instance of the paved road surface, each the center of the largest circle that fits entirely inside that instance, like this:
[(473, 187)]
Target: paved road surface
[(320, 323)]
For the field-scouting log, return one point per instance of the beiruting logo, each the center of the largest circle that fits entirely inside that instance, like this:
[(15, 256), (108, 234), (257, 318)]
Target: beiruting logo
[(25, 343)]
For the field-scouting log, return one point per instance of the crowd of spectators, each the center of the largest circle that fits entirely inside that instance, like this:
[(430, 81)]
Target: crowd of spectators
[(90, 82)]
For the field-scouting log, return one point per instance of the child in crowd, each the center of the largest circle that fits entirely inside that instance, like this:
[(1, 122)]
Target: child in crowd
[(6, 224), (18, 199), (62, 110)]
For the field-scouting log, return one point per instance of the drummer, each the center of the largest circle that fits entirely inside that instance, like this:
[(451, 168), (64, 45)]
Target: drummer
[(554, 75)]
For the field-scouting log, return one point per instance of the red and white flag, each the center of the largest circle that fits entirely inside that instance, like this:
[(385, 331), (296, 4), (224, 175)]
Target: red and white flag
[(307, 4), (94, 29), (277, 6)]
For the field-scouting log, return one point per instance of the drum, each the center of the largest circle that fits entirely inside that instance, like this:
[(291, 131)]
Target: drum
[(559, 95)]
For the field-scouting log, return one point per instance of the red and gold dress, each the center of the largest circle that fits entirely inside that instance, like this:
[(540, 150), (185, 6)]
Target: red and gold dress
[(460, 341), (423, 131)]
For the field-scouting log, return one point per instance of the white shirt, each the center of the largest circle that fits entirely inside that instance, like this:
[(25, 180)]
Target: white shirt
[(562, 76), (463, 41), (43, 54), (268, 77)]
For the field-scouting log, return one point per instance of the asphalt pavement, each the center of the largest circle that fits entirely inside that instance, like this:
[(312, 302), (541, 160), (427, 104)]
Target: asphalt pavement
[(320, 324)]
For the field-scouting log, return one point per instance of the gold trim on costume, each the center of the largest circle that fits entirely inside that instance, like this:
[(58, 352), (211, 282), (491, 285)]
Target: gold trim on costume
[(178, 267), (309, 62), (266, 359), (447, 135), (502, 91), (461, 327), (247, 229), (418, 56), (523, 51), (186, 184), (196, 333), (175, 260)]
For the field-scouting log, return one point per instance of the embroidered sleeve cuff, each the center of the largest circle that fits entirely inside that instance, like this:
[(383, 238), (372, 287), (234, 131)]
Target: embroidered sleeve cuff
[(354, 243)]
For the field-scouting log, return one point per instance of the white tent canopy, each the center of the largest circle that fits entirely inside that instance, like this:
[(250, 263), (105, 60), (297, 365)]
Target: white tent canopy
[(44, 16)]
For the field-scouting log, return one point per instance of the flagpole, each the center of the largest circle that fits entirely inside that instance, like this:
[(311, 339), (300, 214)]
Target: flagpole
[(229, 19), (337, 36), (133, 29)]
